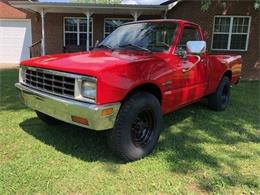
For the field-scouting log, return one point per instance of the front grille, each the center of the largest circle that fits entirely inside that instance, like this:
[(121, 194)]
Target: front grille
[(50, 82)]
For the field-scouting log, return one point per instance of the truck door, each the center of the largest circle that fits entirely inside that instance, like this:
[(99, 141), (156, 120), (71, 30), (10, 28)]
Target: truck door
[(194, 68)]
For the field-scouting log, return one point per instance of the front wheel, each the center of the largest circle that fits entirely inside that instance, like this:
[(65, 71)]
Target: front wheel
[(220, 98), (137, 128)]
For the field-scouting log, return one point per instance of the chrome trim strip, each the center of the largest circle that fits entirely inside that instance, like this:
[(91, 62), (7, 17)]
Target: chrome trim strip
[(63, 108)]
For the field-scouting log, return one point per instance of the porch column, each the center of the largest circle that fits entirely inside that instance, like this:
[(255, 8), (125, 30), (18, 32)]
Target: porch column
[(136, 15), (165, 14), (43, 32), (88, 14)]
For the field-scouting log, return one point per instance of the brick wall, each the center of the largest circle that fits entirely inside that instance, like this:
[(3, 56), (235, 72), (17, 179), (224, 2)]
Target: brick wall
[(190, 10)]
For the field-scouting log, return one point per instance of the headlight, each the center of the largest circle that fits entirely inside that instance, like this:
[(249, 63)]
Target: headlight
[(22, 76), (88, 89)]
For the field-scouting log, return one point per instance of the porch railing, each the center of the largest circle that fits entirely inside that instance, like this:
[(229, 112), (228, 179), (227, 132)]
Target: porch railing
[(35, 49)]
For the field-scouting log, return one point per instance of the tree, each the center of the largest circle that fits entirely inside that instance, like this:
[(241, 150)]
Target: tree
[(205, 4)]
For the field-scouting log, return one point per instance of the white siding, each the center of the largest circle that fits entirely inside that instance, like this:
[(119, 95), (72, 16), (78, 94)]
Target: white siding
[(15, 39)]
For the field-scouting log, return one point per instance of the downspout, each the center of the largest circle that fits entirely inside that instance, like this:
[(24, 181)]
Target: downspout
[(165, 13)]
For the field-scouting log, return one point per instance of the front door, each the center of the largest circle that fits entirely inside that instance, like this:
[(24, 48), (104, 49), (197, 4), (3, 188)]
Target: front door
[(194, 69)]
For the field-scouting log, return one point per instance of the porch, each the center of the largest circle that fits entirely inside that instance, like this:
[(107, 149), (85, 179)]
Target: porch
[(69, 27)]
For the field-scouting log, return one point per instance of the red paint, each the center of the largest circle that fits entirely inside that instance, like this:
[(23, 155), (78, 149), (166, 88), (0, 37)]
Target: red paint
[(119, 72)]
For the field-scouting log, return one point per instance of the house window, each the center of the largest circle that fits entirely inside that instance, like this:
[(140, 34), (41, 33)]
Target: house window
[(75, 32), (111, 24), (231, 33)]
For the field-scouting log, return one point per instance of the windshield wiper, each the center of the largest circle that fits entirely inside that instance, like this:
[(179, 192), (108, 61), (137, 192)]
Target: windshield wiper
[(104, 46), (131, 45)]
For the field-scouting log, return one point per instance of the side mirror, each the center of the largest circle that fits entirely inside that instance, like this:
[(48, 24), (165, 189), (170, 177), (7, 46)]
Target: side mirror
[(196, 47)]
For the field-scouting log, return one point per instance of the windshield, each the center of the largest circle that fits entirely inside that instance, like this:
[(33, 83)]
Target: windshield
[(150, 36)]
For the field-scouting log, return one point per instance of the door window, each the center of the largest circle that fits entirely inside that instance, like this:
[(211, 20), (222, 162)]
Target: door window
[(189, 34)]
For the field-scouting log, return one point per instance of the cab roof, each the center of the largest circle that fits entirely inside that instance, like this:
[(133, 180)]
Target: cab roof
[(179, 21)]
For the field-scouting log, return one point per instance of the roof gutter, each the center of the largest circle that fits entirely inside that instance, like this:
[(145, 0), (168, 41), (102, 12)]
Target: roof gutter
[(22, 4)]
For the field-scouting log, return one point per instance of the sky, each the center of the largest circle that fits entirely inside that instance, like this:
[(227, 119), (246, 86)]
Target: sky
[(150, 2)]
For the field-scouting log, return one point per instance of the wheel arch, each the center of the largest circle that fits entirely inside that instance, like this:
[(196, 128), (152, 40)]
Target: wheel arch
[(146, 87), (228, 73)]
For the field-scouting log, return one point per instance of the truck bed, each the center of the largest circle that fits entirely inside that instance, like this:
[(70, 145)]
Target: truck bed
[(223, 64)]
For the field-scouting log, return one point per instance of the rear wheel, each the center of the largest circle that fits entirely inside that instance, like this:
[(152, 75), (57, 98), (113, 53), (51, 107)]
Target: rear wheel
[(48, 119), (220, 98), (137, 128)]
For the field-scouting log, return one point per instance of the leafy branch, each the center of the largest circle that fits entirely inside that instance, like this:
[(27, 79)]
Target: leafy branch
[(205, 4)]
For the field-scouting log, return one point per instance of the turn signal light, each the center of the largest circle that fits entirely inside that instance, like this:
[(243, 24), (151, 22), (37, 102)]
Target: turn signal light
[(107, 112), (80, 120)]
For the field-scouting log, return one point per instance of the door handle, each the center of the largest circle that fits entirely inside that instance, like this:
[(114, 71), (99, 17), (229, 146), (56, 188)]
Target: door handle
[(189, 68)]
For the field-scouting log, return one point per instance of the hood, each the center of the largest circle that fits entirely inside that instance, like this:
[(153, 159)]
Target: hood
[(88, 63)]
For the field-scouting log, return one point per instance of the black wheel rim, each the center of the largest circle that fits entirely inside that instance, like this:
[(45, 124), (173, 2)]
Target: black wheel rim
[(142, 128), (225, 95)]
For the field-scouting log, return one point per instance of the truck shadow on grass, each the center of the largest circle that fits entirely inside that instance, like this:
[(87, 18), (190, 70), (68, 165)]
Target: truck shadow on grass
[(90, 145), (78, 142)]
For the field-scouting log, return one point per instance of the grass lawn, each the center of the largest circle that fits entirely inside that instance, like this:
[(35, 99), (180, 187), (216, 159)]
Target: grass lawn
[(200, 151)]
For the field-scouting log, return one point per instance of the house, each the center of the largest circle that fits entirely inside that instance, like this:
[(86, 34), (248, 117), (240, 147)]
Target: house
[(28, 27)]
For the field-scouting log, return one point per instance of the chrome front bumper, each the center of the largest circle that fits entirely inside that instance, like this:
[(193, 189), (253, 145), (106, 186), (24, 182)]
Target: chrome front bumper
[(63, 108)]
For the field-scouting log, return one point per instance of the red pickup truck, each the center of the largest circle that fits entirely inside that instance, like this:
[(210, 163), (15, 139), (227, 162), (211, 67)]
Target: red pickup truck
[(140, 72)]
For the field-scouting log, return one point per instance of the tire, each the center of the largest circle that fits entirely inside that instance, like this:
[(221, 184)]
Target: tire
[(48, 119), (137, 127), (220, 98)]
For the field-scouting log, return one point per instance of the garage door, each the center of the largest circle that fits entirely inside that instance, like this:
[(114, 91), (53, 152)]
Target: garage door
[(15, 39)]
